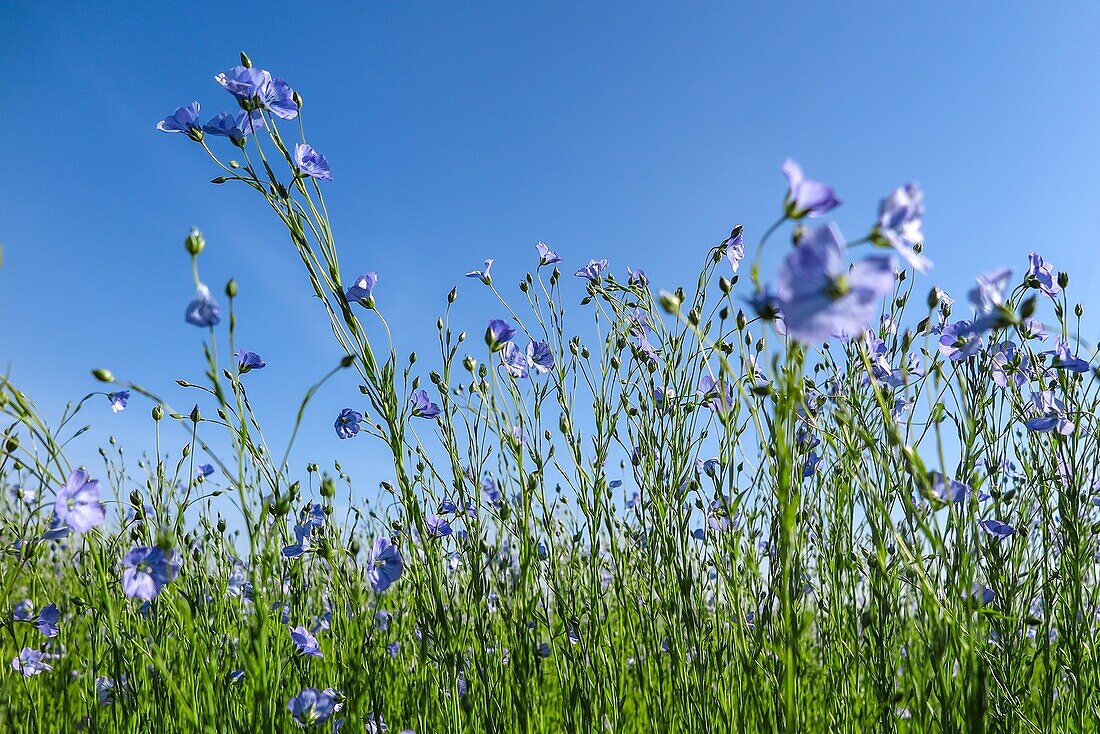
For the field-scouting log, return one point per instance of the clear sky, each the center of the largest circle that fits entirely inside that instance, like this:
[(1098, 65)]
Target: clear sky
[(633, 131)]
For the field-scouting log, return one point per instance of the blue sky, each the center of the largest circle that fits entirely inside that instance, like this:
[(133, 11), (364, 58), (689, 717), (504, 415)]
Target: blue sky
[(636, 132)]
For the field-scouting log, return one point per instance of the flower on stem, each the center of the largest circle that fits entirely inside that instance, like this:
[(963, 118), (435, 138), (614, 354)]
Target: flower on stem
[(236, 128), (203, 311), (438, 527), (146, 571), (384, 564), (77, 504), (900, 216), (593, 270), (310, 163), (1051, 414), (734, 248), (1064, 359), (514, 360), (483, 275), (347, 423), (1010, 365), (257, 89), (806, 198), (539, 356), (183, 120), (546, 255), (820, 297), (988, 299), (305, 642), (960, 341), (311, 706), (498, 333), (248, 361), (996, 528), (362, 290), (118, 400), (30, 662), (1041, 275), (422, 405)]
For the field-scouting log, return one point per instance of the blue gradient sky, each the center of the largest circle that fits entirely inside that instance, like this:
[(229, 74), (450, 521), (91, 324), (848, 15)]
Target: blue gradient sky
[(633, 132)]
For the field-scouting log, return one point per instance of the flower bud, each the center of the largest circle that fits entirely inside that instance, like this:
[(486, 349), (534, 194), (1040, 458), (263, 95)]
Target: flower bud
[(231, 288), (245, 61), (103, 375), (669, 302), (452, 296), (158, 412), (196, 416), (195, 242)]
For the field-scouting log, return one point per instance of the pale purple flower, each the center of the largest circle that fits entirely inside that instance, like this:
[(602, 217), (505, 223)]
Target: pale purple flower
[(960, 341), (988, 297), (203, 311), (422, 405), (498, 333), (1050, 414), (311, 163), (305, 642), (514, 360), (996, 528), (593, 270), (1042, 273), (236, 128), (483, 275), (715, 394), (982, 594), (900, 217), (539, 356), (255, 88), (1010, 365), (347, 423), (362, 290), (183, 120), (1064, 359), (248, 361), (734, 248), (438, 527), (146, 571), (46, 621), (546, 255), (1034, 329), (384, 564), (806, 198), (311, 707), (202, 471), (23, 611), (30, 662), (118, 400), (948, 490), (78, 505), (820, 297)]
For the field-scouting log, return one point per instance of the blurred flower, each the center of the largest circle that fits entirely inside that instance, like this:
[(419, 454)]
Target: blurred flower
[(592, 270), (637, 277), (806, 198), (715, 394), (146, 571), (820, 297), (23, 611), (546, 255), (347, 423), (363, 289), (248, 361), (422, 405), (305, 642), (311, 707), (183, 120), (988, 297), (1010, 365), (204, 470), (384, 564), (30, 662), (1051, 414), (311, 163), (78, 505), (483, 275), (948, 490), (1064, 359), (900, 216), (118, 400), (203, 311)]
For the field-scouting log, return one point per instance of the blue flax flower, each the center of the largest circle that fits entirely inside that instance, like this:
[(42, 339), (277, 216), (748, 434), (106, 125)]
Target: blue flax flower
[(118, 400), (806, 198), (498, 333), (422, 405), (483, 275), (77, 504), (347, 423), (183, 120), (592, 270), (384, 564), (30, 662), (236, 128), (248, 361), (305, 642), (362, 291), (311, 707), (900, 216), (146, 571), (546, 255), (821, 297), (203, 311), (311, 163)]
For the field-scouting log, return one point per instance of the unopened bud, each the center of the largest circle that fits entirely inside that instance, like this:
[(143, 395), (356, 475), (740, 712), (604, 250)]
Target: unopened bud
[(103, 375), (195, 242)]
